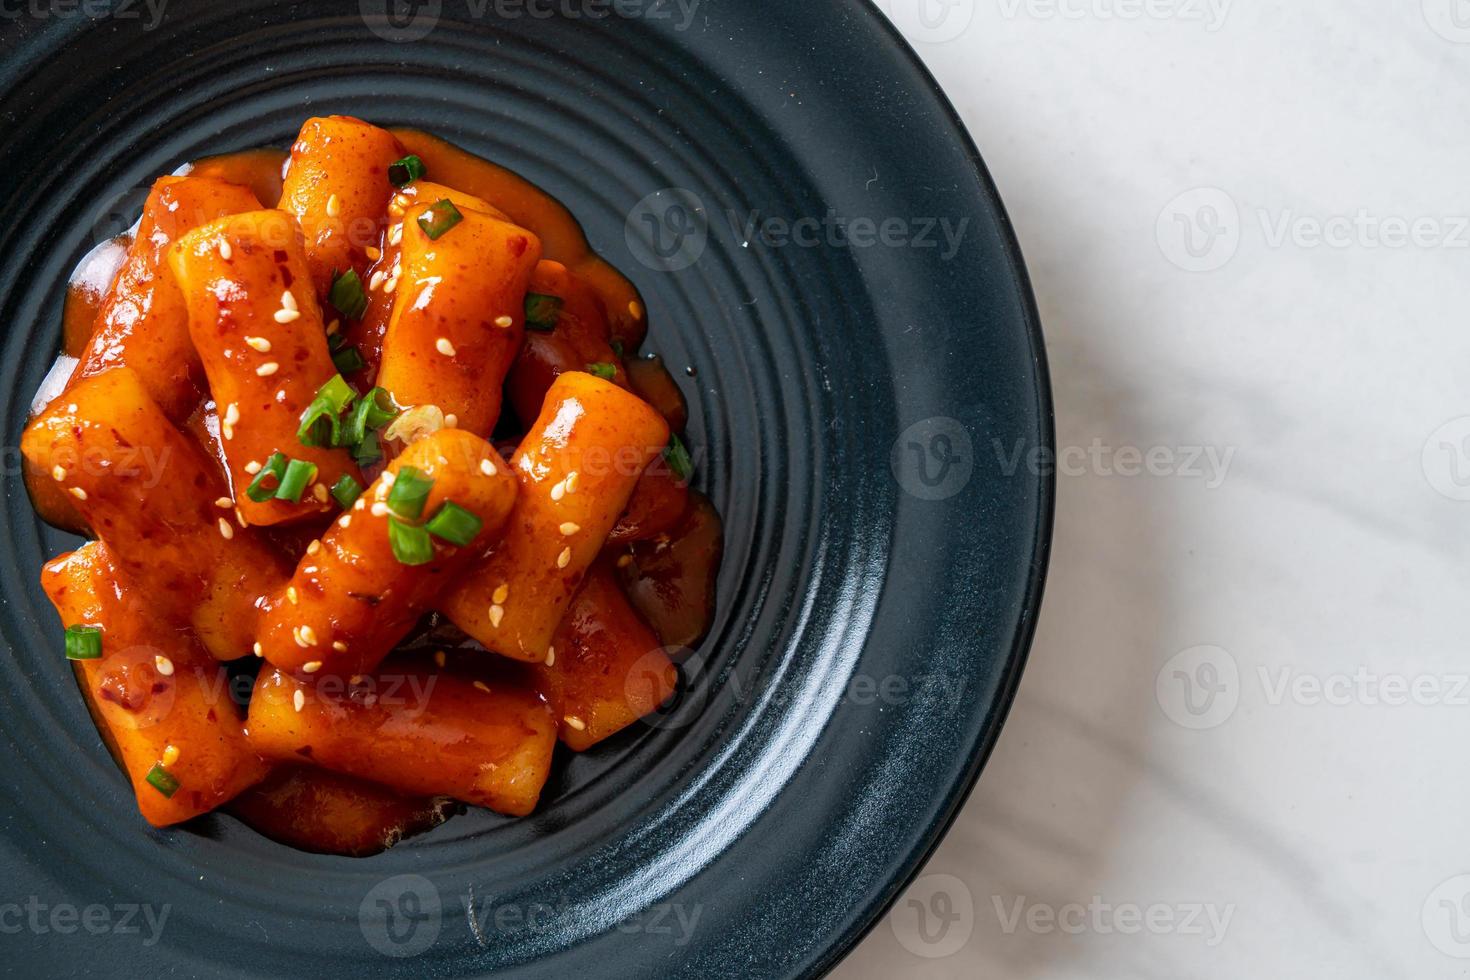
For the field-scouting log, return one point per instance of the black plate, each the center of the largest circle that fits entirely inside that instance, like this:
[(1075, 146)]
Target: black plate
[(857, 411)]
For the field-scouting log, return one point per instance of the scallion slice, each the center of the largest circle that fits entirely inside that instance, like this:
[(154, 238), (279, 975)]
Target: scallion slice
[(454, 524), (373, 411), (274, 468), (542, 312), (83, 642), (349, 360), (348, 296), (678, 459), (346, 491), (441, 216), (409, 494), (162, 780), (411, 544), (604, 370), (368, 450), (299, 473), (404, 172), (321, 423)]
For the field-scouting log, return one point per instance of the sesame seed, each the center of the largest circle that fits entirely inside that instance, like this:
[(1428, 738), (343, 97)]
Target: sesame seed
[(232, 414), (376, 280), (309, 635), (576, 723), (635, 309), (373, 253), (568, 529), (267, 369), (487, 467), (165, 666), (79, 493), (380, 509), (625, 560), (225, 252), (497, 613), (482, 686), (225, 530), (558, 491), (320, 492), (224, 503), (311, 666), (563, 559), (443, 346), (356, 679), (504, 321), (451, 421), (292, 595), (439, 658), (287, 316), (339, 646), (572, 478), (258, 650), (395, 234), (346, 520), (314, 547), (288, 301), (334, 206), (297, 635), (333, 327), (252, 467), (390, 285), (299, 699), (170, 755), (58, 473), (550, 656), (240, 518), (259, 343), (502, 593), (360, 505)]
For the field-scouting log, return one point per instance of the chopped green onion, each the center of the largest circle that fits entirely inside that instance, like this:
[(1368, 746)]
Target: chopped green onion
[(454, 524), (411, 543), (368, 450), (617, 347), (406, 171), (678, 459), (604, 370), (83, 642), (337, 393), (409, 494), (299, 473), (331, 398), (346, 491), (276, 467), (373, 411), (542, 312), (440, 217), (349, 360), (162, 780), (347, 295)]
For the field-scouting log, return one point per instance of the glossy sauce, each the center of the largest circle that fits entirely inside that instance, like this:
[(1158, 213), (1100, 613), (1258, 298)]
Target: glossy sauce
[(669, 579)]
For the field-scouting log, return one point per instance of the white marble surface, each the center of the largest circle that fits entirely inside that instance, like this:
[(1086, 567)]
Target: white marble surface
[(1314, 812)]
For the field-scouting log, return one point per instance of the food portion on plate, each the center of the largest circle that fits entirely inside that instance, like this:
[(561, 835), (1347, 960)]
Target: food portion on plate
[(383, 503)]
